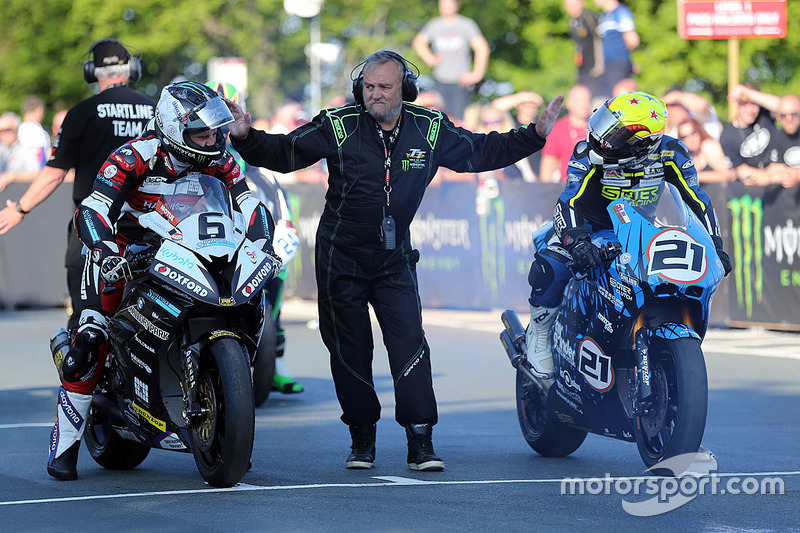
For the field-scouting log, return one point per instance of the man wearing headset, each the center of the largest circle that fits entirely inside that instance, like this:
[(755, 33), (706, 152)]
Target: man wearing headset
[(92, 129), (381, 154)]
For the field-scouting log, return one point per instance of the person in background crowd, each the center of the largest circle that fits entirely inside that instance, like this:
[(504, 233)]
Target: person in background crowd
[(91, 130), (445, 44), (747, 137), (626, 144), (494, 119), (617, 29), (363, 250), (706, 152), (31, 133), (786, 143), (625, 85), (17, 162), (565, 135), (588, 45), (699, 108), (524, 107)]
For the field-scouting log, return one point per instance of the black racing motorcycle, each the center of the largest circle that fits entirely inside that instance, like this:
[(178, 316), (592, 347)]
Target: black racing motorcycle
[(178, 375)]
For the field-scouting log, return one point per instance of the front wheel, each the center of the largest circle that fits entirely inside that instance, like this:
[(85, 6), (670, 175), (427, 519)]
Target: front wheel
[(222, 442), (107, 448), (675, 420), (547, 436)]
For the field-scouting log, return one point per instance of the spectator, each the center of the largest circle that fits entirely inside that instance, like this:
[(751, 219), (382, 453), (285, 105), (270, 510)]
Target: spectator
[(746, 138), (58, 120), (31, 133), (498, 120), (786, 143), (433, 100), (444, 44), (706, 152), (623, 86), (565, 135), (617, 30), (523, 105), (17, 162), (91, 130), (699, 107), (677, 113), (588, 45)]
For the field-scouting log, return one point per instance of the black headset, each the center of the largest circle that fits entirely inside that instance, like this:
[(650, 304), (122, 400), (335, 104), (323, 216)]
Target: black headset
[(134, 62), (409, 83)]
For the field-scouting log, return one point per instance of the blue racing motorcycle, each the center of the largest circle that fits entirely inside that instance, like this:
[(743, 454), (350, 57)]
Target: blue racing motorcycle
[(626, 340)]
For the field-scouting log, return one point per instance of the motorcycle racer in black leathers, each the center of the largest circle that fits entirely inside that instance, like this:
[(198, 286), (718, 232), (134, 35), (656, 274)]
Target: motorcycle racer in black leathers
[(626, 146), (185, 136)]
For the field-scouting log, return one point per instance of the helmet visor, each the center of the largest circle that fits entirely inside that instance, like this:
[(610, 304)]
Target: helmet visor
[(207, 115), (609, 131)]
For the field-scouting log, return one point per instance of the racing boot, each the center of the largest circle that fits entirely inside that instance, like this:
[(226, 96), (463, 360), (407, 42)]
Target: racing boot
[(539, 340), (420, 449), (282, 382), (65, 438), (362, 454)]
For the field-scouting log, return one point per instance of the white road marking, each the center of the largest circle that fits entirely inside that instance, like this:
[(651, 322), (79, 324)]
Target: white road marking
[(393, 481), (27, 425)]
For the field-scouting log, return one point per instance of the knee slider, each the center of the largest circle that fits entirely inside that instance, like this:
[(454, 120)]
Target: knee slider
[(540, 276)]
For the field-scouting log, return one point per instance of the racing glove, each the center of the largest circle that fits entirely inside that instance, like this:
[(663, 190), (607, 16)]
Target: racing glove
[(585, 255), (113, 267), (727, 264)]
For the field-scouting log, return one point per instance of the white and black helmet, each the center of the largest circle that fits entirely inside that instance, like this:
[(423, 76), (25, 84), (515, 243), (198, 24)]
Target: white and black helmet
[(188, 107)]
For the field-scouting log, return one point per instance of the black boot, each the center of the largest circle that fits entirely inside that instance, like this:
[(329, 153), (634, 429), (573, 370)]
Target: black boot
[(420, 449), (65, 466), (363, 448)]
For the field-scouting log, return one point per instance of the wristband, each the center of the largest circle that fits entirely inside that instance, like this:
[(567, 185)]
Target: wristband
[(20, 210)]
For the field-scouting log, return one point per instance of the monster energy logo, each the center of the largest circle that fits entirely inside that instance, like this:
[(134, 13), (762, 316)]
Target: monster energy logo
[(405, 164), (748, 215)]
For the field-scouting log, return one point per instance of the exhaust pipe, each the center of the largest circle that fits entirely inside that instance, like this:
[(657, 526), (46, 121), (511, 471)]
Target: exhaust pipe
[(513, 339)]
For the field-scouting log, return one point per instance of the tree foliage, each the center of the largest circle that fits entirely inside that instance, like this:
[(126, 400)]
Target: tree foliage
[(46, 41)]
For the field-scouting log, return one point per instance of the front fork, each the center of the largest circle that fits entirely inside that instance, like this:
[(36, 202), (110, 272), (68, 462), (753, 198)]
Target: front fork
[(642, 391), (193, 412)]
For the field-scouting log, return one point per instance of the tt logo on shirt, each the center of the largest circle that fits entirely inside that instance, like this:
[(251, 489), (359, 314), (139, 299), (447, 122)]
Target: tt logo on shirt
[(415, 159)]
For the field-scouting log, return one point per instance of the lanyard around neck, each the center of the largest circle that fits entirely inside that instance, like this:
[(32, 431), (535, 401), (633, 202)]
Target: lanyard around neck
[(387, 153)]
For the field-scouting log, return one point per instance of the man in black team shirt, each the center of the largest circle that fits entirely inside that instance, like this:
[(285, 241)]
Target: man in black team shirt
[(92, 129)]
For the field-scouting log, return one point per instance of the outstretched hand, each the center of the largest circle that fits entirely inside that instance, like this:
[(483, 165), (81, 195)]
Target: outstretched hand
[(549, 116), (9, 217), (240, 126)]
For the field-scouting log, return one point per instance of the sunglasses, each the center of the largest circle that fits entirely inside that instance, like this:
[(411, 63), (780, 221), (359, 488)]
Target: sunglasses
[(784, 116), (492, 122)]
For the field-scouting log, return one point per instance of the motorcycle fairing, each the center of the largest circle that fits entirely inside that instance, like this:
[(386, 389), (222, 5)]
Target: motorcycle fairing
[(177, 267)]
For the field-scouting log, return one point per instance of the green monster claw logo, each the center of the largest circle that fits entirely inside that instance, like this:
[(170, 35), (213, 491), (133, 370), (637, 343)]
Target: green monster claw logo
[(746, 230), (405, 164)]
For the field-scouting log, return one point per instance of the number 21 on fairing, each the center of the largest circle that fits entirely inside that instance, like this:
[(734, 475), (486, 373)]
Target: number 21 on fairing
[(676, 256)]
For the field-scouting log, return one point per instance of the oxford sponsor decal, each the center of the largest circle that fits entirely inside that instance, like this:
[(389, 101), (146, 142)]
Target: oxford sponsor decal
[(160, 424), (187, 282), (256, 280)]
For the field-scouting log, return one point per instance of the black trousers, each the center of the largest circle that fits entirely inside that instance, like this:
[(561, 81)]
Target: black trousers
[(354, 270)]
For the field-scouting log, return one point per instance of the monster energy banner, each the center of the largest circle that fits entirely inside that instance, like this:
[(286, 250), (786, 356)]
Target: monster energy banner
[(764, 242)]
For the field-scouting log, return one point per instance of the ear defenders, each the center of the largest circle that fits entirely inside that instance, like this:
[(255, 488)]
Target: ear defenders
[(409, 83), (134, 61)]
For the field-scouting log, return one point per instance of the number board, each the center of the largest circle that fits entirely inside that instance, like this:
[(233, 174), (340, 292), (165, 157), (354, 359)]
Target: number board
[(676, 256)]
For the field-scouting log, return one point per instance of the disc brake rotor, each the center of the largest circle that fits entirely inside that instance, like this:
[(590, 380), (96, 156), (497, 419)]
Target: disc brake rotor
[(206, 429), (653, 422)]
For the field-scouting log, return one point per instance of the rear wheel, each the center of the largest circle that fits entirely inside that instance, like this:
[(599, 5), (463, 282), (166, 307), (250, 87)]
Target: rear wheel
[(222, 442), (675, 420), (546, 436), (107, 448)]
